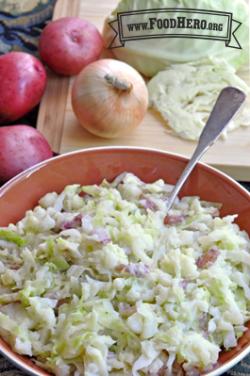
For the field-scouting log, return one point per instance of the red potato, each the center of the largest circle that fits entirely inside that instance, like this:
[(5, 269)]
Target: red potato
[(21, 146), (68, 44), (22, 84)]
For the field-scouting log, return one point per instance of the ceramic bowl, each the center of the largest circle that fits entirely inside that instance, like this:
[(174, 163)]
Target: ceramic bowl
[(90, 166)]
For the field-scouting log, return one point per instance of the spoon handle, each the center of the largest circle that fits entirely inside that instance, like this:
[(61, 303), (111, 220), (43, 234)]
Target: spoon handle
[(228, 103)]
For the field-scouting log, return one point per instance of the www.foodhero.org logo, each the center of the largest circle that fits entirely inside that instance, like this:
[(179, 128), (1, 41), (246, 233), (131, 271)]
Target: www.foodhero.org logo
[(172, 23), (175, 23)]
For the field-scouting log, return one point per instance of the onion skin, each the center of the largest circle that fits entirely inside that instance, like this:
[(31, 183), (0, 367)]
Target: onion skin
[(109, 98)]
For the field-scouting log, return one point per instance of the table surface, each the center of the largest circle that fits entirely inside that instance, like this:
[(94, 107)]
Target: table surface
[(32, 16)]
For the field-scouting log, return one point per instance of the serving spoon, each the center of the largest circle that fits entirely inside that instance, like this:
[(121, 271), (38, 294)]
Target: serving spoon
[(226, 106)]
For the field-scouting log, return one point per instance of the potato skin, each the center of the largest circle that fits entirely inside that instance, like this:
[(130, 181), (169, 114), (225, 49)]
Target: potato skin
[(21, 146), (22, 84), (68, 44)]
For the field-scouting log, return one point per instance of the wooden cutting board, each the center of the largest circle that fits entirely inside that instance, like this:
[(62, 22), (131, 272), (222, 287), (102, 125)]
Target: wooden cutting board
[(59, 125)]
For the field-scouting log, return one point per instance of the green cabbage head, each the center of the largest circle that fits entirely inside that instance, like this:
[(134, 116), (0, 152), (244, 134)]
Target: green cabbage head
[(150, 56)]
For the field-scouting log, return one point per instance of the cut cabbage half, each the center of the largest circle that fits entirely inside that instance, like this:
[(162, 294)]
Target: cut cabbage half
[(184, 95)]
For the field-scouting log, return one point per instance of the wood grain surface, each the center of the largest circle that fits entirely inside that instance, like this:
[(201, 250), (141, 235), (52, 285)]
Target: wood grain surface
[(58, 123)]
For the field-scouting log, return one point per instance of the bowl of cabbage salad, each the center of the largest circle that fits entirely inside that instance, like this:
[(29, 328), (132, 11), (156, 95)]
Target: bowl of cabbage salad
[(99, 279)]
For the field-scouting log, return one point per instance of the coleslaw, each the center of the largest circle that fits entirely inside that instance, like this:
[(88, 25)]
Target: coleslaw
[(100, 280)]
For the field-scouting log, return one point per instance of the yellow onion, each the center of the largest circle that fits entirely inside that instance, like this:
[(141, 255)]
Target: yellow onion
[(109, 98)]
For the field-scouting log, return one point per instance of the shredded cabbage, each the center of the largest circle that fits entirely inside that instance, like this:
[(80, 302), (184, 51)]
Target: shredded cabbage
[(100, 280), (187, 110)]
